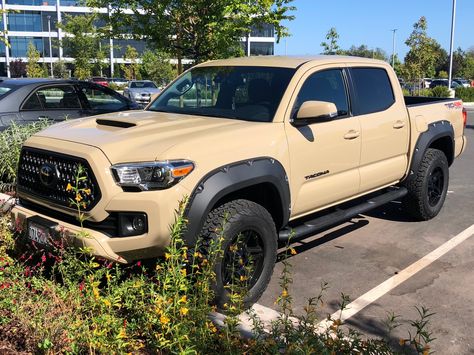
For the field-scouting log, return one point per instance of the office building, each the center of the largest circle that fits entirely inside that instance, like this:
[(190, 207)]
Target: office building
[(35, 21)]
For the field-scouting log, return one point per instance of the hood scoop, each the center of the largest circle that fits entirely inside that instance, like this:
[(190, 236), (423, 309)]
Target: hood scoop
[(112, 123)]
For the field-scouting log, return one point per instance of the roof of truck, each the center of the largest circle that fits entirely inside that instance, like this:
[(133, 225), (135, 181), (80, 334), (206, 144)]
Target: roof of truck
[(289, 61)]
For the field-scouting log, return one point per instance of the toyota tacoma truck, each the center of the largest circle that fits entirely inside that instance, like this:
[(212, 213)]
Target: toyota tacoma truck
[(275, 144)]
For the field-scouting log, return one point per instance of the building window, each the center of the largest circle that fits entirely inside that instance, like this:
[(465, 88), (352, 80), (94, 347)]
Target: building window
[(19, 46), (25, 21), (264, 30), (29, 2), (261, 48)]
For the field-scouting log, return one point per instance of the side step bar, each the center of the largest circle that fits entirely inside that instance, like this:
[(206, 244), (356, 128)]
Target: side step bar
[(311, 227)]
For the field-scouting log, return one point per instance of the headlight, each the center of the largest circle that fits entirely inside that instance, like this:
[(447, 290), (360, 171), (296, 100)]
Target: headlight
[(152, 175), (138, 96)]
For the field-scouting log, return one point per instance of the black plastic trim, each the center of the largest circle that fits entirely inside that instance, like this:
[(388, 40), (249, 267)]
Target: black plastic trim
[(310, 227), (436, 130), (230, 178)]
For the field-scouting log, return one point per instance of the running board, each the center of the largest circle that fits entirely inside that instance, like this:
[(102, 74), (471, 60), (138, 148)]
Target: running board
[(311, 227)]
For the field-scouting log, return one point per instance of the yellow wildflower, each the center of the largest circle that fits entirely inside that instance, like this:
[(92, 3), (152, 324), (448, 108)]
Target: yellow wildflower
[(107, 303), (87, 191), (68, 187), (183, 299), (284, 293), (293, 251), (95, 291), (78, 197), (164, 320), (183, 272), (167, 256), (243, 278), (183, 311)]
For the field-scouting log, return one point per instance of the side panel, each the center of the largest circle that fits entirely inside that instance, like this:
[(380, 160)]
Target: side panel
[(231, 178)]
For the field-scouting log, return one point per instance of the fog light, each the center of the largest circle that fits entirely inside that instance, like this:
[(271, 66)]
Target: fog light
[(131, 224), (138, 223)]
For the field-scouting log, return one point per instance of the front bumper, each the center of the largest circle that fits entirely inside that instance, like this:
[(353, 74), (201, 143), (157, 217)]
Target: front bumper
[(159, 207)]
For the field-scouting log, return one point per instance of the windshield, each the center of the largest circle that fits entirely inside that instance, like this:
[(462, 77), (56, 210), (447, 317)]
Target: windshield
[(244, 93), (142, 84)]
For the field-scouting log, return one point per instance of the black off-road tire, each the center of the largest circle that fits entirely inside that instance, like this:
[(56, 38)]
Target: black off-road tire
[(241, 218), (428, 188)]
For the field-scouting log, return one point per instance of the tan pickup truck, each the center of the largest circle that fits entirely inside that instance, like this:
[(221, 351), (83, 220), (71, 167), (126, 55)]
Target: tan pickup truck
[(269, 140)]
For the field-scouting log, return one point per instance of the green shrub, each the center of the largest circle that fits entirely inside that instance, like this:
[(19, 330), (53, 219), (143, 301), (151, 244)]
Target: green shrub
[(465, 94), (11, 141), (422, 92), (440, 91)]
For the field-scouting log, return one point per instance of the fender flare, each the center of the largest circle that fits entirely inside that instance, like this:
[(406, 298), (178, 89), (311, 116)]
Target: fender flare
[(436, 130), (230, 178)]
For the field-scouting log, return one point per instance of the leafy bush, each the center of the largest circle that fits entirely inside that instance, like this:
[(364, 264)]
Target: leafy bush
[(440, 91), (11, 141), (465, 94), (67, 301), (422, 92)]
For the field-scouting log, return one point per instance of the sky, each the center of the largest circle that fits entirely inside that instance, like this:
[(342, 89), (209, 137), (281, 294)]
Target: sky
[(370, 22)]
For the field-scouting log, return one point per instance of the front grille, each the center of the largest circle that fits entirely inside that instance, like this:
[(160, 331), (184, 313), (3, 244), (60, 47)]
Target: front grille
[(58, 171)]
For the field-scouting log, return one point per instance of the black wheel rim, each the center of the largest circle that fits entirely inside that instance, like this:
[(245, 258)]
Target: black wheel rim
[(244, 259), (435, 186)]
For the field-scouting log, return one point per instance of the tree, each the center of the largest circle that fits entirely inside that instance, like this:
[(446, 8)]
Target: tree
[(421, 58), (131, 67), (100, 59), (469, 65), (33, 68), (17, 68), (82, 42), (156, 66), (331, 47), (364, 51), (60, 70), (195, 29)]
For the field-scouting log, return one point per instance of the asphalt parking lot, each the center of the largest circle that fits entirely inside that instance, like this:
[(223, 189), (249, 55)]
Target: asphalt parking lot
[(357, 256)]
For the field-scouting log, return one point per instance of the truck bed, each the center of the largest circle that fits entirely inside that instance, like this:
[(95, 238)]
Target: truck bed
[(423, 100)]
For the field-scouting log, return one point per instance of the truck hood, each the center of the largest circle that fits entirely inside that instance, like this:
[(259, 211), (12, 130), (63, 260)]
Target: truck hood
[(143, 135)]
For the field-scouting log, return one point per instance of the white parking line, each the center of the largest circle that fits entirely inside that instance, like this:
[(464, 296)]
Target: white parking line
[(388, 285), (267, 315)]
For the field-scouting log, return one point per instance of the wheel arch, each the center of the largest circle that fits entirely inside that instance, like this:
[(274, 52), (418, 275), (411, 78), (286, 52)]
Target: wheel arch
[(440, 135), (261, 180)]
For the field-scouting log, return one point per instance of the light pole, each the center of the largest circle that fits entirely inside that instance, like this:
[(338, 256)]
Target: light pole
[(451, 47), (393, 47), (50, 47)]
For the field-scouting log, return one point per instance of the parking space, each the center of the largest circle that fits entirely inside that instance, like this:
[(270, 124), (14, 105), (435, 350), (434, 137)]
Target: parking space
[(359, 255)]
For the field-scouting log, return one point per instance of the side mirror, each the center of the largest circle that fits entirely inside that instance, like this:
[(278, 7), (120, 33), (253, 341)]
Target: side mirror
[(314, 111)]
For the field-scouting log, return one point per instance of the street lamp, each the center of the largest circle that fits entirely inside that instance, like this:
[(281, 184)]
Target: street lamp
[(50, 47), (393, 47), (451, 48)]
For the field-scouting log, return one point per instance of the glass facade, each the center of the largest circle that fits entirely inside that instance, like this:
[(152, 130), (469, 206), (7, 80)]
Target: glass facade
[(120, 46), (19, 46), (29, 2), (261, 48), (264, 30), (26, 21)]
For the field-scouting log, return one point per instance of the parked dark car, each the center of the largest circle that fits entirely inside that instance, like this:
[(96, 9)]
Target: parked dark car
[(26, 100), (443, 82)]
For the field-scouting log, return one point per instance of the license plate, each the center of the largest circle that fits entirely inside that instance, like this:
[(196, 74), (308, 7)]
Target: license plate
[(40, 229)]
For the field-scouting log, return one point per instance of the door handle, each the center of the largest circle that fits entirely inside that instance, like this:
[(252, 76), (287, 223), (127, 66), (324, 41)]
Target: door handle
[(352, 134), (399, 124)]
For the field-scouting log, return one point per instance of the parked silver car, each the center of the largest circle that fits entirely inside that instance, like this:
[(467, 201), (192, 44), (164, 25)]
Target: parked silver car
[(141, 91)]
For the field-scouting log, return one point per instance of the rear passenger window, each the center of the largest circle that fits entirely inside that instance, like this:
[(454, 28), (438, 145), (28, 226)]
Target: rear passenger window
[(53, 98), (327, 85), (373, 90)]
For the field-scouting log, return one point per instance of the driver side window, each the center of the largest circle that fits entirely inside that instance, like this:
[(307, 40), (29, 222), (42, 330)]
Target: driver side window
[(326, 85)]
